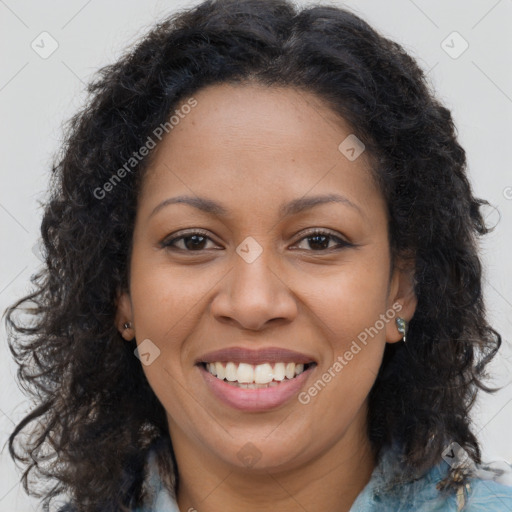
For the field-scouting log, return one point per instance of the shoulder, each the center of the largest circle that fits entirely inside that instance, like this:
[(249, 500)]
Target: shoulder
[(157, 497), (488, 489)]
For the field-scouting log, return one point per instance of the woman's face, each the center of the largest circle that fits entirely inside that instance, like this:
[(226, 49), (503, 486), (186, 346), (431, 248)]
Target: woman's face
[(233, 275)]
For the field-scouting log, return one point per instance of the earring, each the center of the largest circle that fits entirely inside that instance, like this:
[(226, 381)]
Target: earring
[(401, 326), (126, 326)]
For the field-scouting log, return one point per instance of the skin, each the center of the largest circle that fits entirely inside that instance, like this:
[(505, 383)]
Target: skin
[(253, 148)]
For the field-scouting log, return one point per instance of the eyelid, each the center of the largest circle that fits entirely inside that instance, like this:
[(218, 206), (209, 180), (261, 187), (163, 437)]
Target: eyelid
[(321, 231)]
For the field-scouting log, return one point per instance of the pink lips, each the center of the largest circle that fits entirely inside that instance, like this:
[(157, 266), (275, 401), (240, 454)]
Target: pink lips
[(255, 400), (251, 356)]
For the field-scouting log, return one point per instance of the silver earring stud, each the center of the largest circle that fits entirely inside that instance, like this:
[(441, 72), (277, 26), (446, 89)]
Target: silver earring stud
[(127, 325), (401, 326)]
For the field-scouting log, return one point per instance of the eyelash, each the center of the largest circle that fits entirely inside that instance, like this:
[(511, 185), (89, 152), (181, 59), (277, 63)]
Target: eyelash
[(168, 244)]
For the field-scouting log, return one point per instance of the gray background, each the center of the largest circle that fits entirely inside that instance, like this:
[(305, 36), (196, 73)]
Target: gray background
[(37, 94)]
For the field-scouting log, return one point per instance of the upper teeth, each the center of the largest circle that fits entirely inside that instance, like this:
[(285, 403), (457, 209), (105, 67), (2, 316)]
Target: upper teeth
[(259, 374)]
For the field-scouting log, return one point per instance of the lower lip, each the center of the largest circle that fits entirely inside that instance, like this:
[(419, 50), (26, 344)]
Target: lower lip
[(255, 400)]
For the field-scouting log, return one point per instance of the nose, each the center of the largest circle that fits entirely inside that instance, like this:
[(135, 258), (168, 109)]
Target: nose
[(254, 294)]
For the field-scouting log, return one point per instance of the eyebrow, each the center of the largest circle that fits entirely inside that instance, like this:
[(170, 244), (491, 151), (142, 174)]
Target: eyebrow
[(292, 208)]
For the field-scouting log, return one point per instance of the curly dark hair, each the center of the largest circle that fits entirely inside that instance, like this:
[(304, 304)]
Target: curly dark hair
[(94, 406)]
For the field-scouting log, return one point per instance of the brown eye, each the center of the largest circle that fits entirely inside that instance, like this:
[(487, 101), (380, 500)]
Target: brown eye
[(190, 242), (195, 241), (320, 240)]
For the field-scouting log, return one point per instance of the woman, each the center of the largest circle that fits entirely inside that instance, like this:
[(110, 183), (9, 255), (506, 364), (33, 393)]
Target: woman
[(262, 289)]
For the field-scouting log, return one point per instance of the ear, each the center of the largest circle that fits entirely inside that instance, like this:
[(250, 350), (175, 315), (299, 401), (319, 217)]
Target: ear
[(401, 299), (124, 315)]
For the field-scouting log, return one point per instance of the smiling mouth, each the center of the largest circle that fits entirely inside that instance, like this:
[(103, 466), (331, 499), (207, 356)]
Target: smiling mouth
[(250, 376)]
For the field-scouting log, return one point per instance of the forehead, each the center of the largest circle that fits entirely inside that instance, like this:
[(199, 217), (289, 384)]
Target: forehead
[(271, 117), (256, 140)]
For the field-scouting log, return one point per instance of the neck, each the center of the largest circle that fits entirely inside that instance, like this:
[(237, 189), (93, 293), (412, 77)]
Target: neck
[(331, 481)]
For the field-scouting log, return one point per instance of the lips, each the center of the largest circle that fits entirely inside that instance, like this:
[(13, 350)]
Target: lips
[(255, 380), (265, 355)]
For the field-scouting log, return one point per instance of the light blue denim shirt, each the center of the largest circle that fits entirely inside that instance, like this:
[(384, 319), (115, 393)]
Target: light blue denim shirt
[(489, 490)]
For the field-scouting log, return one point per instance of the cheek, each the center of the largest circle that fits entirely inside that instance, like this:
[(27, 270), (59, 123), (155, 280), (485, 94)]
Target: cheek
[(162, 313), (165, 298), (349, 306), (166, 304), (349, 300)]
